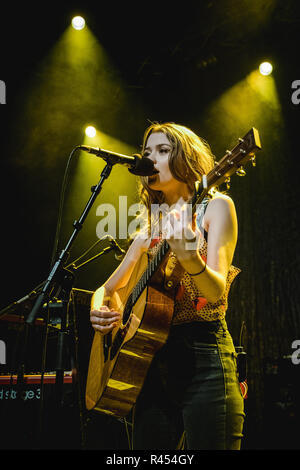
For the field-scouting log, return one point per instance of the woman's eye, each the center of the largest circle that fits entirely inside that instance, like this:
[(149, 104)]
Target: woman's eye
[(162, 150)]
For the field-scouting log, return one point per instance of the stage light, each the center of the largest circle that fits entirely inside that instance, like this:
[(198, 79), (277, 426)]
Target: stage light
[(265, 68), (90, 131), (78, 22)]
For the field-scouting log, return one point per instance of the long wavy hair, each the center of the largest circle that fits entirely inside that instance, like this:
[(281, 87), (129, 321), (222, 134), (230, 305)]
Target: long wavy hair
[(190, 158)]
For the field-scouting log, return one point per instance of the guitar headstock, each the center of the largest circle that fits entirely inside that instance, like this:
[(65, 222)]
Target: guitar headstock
[(233, 162), (235, 159)]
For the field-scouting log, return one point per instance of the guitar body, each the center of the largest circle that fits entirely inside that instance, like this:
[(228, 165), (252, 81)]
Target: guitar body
[(114, 383)]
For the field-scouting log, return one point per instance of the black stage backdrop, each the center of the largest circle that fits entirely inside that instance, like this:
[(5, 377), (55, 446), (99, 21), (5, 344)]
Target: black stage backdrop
[(196, 67)]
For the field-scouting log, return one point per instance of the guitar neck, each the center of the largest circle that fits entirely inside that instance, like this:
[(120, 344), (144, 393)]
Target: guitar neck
[(152, 267)]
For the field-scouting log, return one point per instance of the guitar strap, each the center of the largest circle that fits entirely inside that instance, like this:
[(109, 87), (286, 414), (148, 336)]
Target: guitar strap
[(200, 214)]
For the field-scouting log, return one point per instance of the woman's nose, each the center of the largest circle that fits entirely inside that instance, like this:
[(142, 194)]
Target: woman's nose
[(152, 157)]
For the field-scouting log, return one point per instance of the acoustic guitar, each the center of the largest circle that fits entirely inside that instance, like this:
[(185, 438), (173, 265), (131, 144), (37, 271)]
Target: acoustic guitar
[(119, 361)]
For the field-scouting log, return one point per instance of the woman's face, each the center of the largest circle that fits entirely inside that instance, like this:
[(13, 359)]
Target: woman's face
[(158, 149)]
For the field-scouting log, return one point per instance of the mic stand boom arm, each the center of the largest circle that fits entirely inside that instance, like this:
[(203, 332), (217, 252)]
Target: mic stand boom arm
[(74, 266), (59, 265)]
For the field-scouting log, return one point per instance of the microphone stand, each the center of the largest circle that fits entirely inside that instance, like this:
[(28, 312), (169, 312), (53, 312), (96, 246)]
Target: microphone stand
[(74, 266), (62, 279), (58, 266)]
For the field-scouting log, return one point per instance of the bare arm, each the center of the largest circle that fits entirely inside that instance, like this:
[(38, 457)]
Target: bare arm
[(103, 318), (221, 223)]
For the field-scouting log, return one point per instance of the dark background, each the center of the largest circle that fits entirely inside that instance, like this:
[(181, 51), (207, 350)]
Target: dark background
[(182, 62)]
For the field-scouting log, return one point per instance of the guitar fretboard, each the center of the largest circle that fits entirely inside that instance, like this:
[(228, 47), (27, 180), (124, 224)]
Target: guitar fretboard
[(144, 279)]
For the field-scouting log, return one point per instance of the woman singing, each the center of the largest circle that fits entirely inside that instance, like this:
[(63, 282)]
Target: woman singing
[(192, 387)]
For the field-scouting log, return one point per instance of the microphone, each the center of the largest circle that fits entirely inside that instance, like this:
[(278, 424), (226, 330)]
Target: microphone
[(137, 165), (120, 253)]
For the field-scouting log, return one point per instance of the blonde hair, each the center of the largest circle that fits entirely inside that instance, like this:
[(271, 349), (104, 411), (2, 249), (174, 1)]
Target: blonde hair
[(190, 159)]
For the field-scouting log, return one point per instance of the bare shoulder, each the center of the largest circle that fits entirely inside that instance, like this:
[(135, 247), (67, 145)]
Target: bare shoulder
[(219, 201), (220, 206)]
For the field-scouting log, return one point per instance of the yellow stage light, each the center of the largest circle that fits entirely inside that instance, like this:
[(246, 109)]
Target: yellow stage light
[(78, 22), (265, 68), (90, 131)]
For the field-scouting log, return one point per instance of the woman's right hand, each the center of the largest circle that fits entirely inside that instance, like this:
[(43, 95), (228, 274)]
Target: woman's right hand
[(105, 319)]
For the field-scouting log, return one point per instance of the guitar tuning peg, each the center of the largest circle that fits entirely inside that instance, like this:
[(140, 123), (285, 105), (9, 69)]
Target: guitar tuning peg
[(227, 181), (240, 171), (253, 160)]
